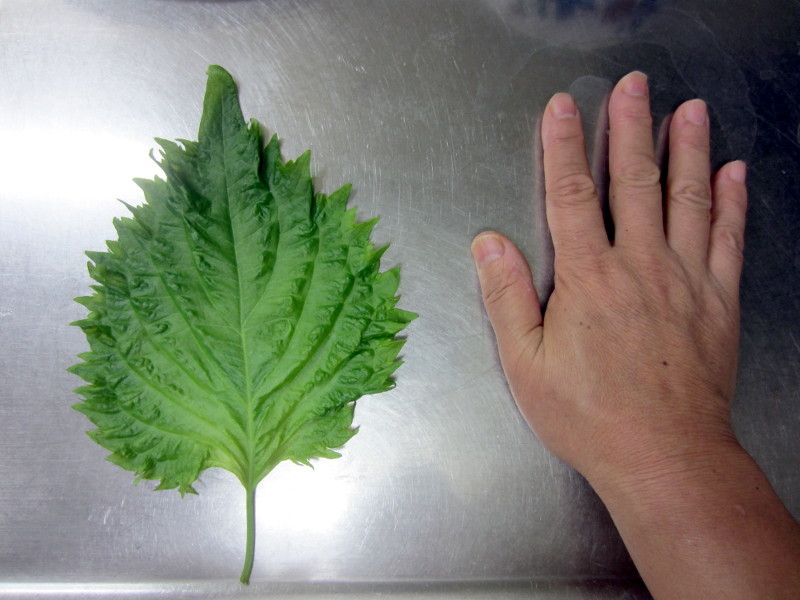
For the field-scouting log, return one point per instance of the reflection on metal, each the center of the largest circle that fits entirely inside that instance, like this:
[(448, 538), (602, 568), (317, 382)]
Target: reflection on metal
[(430, 110), (612, 11), (582, 21), (40, 164)]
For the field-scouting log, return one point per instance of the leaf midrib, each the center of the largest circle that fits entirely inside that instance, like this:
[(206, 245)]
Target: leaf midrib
[(249, 481)]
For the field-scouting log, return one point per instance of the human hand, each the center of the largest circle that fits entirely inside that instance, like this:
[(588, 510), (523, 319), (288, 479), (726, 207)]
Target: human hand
[(632, 367), (629, 375)]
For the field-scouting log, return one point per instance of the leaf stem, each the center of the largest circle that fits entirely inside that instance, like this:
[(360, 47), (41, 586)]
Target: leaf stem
[(251, 534)]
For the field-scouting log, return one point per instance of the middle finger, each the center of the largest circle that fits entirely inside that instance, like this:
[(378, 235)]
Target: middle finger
[(635, 187)]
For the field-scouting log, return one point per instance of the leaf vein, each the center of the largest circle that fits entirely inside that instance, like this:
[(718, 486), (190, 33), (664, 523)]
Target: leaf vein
[(211, 443), (265, 289), (195, 335), (200, 278), (171, 358), (292, 375)]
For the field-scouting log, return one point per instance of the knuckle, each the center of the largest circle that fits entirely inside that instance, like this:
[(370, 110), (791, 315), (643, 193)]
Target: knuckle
[(564, 135), (692, 194), (637, 172), (693, 144), (498, 291), (735, 203), (648, 284), (732, 239), (583, 268), (666, 287), (635, 112), (723, 307), (571, 189)]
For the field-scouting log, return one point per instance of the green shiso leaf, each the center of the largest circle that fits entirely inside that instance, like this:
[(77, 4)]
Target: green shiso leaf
[(238, 317)]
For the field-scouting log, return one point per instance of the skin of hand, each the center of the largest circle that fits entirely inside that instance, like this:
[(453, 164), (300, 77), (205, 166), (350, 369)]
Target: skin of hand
[(628, 375)]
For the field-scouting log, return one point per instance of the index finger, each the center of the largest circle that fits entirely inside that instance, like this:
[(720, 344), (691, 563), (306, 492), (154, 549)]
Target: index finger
[(573, 208)]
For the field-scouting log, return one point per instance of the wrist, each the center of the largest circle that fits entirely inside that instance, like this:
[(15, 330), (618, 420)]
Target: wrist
[(657, 470), (702, 521)]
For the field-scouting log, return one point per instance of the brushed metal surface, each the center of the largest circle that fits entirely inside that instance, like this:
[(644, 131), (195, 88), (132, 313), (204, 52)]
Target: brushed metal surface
[(430, 109)]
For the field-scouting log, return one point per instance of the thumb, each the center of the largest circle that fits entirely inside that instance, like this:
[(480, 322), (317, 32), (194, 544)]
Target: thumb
[(511, 301)]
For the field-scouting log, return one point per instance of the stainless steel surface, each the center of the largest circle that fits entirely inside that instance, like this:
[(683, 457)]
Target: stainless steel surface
[(429, 109)]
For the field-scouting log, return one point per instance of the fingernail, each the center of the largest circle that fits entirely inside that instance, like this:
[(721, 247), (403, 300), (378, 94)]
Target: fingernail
[(738, 171), (635, 84), (487, 248), (696, 112), (563, 106)]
